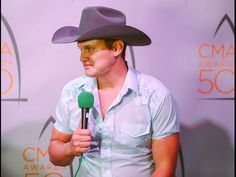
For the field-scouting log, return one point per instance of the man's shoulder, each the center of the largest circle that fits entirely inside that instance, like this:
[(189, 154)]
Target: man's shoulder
[(152, 90), (151, 84), (79, 83)]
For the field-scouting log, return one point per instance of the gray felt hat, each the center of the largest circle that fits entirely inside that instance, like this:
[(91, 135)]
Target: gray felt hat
[(101, 23)]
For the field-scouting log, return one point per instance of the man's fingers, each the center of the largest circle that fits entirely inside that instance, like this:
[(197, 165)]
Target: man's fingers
[(80, 144), (82, 132)]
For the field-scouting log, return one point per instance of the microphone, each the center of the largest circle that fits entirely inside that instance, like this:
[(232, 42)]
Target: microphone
[(85, 102)]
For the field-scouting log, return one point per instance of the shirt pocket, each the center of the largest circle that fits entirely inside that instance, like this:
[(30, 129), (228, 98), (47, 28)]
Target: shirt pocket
[(135, 135)]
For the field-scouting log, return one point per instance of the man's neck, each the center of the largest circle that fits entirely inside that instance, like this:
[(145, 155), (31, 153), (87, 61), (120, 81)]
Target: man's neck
[(110, 84), (115, 78)]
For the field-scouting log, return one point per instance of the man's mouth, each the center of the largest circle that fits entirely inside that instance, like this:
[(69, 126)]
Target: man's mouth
[(87, 65)]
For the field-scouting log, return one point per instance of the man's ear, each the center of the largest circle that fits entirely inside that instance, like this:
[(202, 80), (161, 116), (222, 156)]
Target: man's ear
[(118, 47)]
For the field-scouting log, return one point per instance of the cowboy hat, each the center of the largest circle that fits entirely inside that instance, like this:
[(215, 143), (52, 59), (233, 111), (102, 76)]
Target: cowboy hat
[(101, 23)]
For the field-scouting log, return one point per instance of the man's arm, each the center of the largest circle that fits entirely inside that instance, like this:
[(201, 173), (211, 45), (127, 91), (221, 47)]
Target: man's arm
[(165, 154), (64, 147)]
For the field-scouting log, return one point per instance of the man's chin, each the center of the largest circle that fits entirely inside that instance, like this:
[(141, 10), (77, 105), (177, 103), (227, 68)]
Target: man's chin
[(90, 74)]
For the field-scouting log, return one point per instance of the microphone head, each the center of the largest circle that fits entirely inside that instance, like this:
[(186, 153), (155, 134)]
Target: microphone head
[(85, 100)]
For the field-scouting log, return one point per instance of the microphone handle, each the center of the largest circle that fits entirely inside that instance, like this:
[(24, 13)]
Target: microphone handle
[(84, 118)]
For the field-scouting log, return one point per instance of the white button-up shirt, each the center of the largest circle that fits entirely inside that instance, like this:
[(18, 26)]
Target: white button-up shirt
[(121, 141)]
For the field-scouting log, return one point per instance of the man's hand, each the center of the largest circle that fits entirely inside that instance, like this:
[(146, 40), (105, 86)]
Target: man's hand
[(80, 142), (64, 147)]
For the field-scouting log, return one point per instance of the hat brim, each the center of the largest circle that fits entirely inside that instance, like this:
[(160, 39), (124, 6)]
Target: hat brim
[(132, 36)]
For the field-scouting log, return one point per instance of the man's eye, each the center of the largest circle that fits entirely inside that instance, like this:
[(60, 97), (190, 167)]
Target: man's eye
[(88, 49)]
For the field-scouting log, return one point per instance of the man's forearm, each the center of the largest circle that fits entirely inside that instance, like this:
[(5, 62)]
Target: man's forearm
[(59, 153), (163, 173)]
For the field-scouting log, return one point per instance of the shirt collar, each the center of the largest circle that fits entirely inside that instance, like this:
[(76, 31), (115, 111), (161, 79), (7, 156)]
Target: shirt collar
[(87, 83), (131, 80)]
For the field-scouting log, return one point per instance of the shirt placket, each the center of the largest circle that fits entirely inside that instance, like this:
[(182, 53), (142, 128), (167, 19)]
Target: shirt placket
[(106, 144)]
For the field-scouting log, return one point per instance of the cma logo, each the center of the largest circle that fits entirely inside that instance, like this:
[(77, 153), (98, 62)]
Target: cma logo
[(10, 65), (216, 65)]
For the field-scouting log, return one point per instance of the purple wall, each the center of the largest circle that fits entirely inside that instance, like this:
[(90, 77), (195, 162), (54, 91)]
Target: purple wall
[(192, 53)]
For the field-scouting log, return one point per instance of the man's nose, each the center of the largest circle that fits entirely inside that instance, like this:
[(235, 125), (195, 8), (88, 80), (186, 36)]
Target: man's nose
[(84, 56)]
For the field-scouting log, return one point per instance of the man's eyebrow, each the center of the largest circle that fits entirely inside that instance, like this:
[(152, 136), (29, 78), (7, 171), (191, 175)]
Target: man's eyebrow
[(86, 46)]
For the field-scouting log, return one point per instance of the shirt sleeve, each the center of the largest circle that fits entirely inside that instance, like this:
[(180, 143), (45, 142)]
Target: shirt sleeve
[(62, 122), (167, 119)]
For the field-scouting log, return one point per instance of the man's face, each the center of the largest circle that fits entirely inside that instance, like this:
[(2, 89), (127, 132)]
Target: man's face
[(96, 58)]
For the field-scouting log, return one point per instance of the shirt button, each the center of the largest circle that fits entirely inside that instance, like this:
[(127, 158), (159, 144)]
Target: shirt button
[(105, 148)]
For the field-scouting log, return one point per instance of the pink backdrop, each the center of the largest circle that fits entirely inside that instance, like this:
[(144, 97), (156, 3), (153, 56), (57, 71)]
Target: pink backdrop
[(192, 53)]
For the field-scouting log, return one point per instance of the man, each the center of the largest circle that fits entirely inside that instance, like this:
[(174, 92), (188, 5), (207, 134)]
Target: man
[(133, 126)]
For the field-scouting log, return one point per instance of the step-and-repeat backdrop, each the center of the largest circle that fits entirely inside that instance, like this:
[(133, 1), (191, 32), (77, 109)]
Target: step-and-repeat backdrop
[(192, 53)]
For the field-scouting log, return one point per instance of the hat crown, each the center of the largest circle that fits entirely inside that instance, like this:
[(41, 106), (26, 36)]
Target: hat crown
[(98, 22), (95, 17)]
